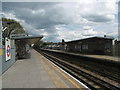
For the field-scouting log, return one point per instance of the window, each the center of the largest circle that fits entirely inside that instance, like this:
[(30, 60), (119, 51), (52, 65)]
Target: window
[(77, 46), (85, 46)]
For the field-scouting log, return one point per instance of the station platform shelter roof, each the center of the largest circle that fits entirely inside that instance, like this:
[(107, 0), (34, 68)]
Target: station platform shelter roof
[(28, 39)]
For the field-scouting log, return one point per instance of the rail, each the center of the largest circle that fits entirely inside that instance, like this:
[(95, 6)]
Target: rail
[(88, 79)]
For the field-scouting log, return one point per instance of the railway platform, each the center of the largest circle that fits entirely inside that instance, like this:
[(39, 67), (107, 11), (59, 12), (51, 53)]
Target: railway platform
[(38, 72), (102, 57)]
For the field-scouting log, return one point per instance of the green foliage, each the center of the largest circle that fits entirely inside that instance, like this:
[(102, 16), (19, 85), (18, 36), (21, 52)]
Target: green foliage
[(13, 27)]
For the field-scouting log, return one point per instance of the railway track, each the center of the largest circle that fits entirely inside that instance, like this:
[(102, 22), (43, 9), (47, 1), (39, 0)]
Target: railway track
[(91, 81), (104, 70), (100, 69)]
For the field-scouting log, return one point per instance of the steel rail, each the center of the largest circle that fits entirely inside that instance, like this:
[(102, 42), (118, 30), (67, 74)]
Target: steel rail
[(95, 67), (94, 82)]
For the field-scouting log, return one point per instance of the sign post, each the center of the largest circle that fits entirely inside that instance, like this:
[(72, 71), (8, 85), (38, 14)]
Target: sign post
[(7, 49)]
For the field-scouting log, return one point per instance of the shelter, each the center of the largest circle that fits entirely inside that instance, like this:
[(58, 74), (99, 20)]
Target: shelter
[(28, 39), (19, 46), (23, 44), (92, 45)]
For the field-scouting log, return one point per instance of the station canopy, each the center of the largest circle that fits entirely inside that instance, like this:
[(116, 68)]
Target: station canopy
[(28, 39)]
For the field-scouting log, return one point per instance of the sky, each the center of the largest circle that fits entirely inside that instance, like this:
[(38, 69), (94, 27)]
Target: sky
[(65, 20)]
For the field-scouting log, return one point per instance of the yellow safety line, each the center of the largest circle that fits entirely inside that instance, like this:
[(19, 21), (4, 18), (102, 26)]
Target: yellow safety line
[(56, 81), (64, 74), (0, 51)]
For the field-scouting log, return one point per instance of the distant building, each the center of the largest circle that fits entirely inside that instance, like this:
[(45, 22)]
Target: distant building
[(55, 46), (117, 42), (116, 48), (93, 45)]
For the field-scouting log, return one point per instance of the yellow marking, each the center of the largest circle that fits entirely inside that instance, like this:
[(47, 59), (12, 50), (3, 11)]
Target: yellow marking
[(64, 74), (54, 78), (0, 51)]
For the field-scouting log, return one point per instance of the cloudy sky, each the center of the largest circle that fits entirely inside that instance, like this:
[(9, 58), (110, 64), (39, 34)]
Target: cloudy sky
[(65, 20)]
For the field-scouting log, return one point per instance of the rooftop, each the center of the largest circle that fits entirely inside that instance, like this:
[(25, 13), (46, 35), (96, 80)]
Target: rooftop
[(28, 39), (96, 37)]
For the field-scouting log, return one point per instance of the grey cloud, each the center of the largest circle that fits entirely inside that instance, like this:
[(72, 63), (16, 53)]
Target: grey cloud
[(97, 18), (51, 16), (119, 11), (30, 5), (119, 17), (45, 15), (29, 12)]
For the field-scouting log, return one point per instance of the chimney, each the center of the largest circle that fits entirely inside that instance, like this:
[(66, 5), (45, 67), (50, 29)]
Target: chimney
[(104, 35)]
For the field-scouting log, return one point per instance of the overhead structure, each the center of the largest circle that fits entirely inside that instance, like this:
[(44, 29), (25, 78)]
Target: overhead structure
[(23, 43), (28, 39)]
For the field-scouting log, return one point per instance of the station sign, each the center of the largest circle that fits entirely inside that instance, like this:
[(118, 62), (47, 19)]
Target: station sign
[(7, 49)]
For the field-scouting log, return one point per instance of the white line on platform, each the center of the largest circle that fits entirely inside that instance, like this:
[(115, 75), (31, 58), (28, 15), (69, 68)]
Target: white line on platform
[(69, 75)]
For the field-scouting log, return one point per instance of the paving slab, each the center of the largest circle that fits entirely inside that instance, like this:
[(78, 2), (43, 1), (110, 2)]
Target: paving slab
[(27, 73), (37, 72)]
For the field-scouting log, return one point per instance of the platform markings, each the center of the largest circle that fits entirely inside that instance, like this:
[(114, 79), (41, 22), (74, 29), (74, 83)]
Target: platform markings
[(53, 76), (69, 75), (56, 74), (0, 51)]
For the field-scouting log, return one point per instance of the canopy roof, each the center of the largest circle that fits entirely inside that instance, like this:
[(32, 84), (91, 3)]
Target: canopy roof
[(28, 39)]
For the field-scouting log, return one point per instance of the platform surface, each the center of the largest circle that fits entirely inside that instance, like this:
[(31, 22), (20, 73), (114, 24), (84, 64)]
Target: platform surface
[(105, 57), (37, 72)]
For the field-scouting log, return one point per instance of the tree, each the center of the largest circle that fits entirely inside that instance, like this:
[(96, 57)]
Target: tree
[(12, 27)]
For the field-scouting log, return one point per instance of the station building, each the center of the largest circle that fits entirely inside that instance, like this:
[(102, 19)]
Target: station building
[(55, 46), (92, 45), (116, 48)]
